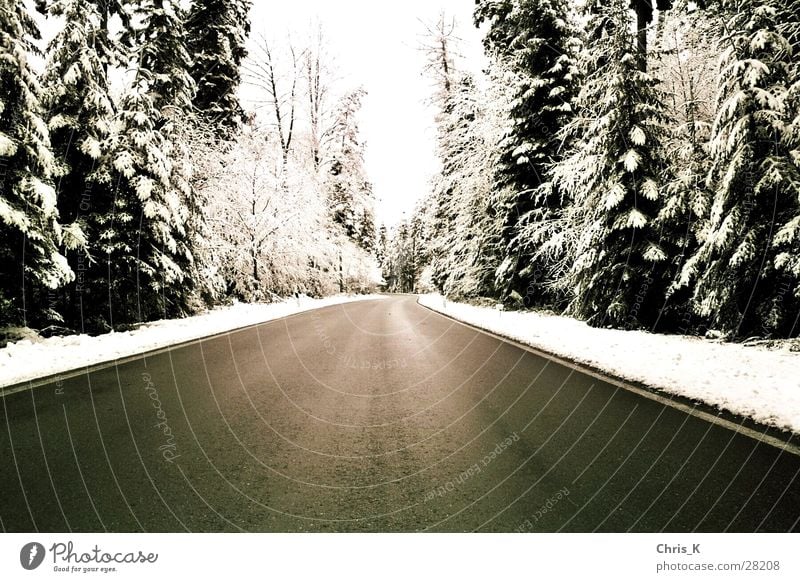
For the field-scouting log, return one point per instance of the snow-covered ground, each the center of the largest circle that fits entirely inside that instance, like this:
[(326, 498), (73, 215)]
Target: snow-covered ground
[(29, 359), (752, 381)]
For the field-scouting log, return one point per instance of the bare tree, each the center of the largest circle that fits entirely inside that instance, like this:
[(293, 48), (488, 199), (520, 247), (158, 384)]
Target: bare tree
[(644, 10), (439, 44), (280, 87), (253, 214), (317, 90), (688, 67)]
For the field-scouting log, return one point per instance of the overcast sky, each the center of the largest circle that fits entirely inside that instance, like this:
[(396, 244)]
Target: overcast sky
[(375, 46)]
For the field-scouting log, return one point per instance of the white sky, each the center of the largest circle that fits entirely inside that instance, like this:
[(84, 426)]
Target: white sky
[(375, 46)]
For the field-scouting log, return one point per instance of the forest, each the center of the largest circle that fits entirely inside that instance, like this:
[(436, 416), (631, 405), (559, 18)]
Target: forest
[(627, 163), (133, 184)]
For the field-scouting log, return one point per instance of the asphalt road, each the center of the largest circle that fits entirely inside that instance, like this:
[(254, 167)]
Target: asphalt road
[(373, 416)]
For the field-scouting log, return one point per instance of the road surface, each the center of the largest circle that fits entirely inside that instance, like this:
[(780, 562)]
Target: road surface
[(373, 416)]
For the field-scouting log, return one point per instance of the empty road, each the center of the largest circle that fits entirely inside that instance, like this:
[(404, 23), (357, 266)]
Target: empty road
[(377, 415)]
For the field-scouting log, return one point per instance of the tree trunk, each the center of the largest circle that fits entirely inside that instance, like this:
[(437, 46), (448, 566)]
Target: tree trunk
[(341, 273), (644, 16)]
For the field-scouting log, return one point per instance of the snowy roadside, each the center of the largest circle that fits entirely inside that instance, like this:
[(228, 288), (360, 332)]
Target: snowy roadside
[(31, 359), (756, 382)]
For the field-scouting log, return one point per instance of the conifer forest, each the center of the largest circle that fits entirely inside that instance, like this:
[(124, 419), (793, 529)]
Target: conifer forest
[(632, 164)]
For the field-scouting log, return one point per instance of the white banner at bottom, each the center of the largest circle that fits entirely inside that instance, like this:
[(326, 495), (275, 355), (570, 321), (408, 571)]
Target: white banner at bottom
[(388, 557)]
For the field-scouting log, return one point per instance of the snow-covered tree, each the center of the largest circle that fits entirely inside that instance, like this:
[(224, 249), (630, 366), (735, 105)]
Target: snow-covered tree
[(323, 175), (80, 115), (145, 240), (440, 45), (535, 43), (456, 232), (645, 10), (201, 153), (30, 233), (464, 234), (788, 22), (277, 78), (745, 275), (248, 213), (614, 172), (318, 71), (401, 265), (381, 244), (271, 230), (217, 31), (348, 188), (77, 97), (686, 63)]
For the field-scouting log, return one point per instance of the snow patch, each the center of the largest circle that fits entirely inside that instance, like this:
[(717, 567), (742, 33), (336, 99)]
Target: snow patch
[(35, 357), (8, 147), (751, 381)]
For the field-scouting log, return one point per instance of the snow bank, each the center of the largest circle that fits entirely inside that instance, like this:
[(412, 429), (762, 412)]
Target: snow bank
[(751, 381), (30, 359)]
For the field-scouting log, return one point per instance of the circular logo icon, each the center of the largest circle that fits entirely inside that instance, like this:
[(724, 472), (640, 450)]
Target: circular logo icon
[(31, 555)]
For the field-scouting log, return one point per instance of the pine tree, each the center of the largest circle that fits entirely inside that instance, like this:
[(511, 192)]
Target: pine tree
[(217, 32), (80, 116), (30, 233), (615, 173), (744, 276), (80, 107), (456, 250), (367, 235), (465, 234), (400, 265), (535, 41), (789, 23), (687, 68), (381, 245), (349, 190), (145, 238), (441, 45)]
